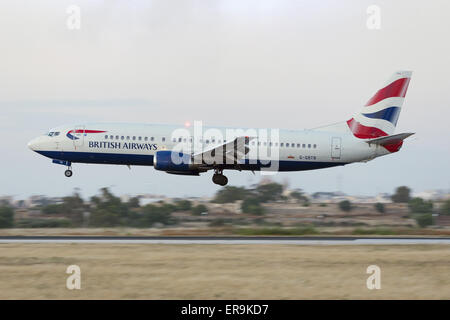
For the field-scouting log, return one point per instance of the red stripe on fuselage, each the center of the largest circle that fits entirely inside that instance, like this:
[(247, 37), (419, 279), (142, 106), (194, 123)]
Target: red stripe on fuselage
[(85, 131), (395, 89)]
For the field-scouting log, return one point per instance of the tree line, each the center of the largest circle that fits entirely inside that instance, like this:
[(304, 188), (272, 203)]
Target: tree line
[(103, 210), (108, 210), (420, 210)]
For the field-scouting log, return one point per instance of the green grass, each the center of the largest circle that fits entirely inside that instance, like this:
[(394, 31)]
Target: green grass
[(307, 230), (275, 231), (374, 231), (43, 223)]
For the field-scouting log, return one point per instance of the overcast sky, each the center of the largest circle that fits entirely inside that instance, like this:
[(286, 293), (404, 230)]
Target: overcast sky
[(258, 64)]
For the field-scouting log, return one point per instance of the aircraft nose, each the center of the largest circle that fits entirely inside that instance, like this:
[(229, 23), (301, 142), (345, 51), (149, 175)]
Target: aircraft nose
[(33, 144)]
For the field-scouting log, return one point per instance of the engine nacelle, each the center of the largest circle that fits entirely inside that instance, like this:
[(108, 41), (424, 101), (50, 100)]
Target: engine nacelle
[(173, 161)]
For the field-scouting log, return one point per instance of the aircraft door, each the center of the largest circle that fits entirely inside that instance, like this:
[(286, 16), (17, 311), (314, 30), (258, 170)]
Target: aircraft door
[(78, 136), (336, 148)]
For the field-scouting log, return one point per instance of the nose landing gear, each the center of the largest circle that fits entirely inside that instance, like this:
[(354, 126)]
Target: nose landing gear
[(68, 173), (219, 178)]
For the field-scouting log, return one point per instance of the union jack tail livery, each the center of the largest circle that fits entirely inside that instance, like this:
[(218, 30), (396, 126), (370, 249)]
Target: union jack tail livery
[(379, 116)]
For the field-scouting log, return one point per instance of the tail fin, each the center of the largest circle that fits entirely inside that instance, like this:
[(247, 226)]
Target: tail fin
[(379, 116)]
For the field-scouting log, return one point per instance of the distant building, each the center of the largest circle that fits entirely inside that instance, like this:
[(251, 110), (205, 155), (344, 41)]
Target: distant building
[(432, 195), (328, 196), (383, 198), (145, 199), (40, 200), (335, 197), (125, 198)]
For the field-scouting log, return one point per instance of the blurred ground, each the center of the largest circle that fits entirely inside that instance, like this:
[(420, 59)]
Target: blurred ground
[(201, 230), (37, 271)]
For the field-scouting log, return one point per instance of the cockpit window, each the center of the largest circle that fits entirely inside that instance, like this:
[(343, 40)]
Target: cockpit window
[(53, 133), (56, 134)]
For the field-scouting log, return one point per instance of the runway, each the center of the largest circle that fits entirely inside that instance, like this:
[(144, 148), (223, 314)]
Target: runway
[(291, 240)]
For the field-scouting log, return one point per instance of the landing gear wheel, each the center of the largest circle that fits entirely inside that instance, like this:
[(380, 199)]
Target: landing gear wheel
[(68, 173), (220, 179), (224, 180)]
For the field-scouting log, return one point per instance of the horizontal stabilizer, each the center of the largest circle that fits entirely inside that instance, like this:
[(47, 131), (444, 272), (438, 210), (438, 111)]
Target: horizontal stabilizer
[(390, 140)]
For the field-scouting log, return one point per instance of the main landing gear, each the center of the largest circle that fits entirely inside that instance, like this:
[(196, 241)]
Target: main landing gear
[(219, 178), (68, 173)]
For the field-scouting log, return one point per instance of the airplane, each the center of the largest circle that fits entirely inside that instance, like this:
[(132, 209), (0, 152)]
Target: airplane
[(190, 150)]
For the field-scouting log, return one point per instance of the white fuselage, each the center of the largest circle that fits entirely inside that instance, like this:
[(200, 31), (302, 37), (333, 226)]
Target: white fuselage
[(137, 144)]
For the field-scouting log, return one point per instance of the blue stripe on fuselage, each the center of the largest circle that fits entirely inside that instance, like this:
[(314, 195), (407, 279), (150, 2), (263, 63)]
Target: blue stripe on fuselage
[(389, 114), (96, 157), (147, 160)]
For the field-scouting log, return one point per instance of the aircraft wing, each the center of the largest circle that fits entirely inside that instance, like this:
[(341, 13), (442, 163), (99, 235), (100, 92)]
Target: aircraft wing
[(226, 153)]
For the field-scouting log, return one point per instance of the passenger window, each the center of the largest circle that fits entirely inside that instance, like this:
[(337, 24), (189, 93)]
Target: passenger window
[(179, 139), (117, 137), (111, 137), (140, 138), (174, 139), (106, 137), (146, 138), (315, 146), (122, 137), (128, 137), (298, 145), (134, 137), (281, 144), (303, 145), (207, 141), (153, 138), (163, 139), (309, 145), (287, 145)]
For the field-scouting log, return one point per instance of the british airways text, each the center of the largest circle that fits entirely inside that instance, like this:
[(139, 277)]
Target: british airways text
[(120, 145)]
